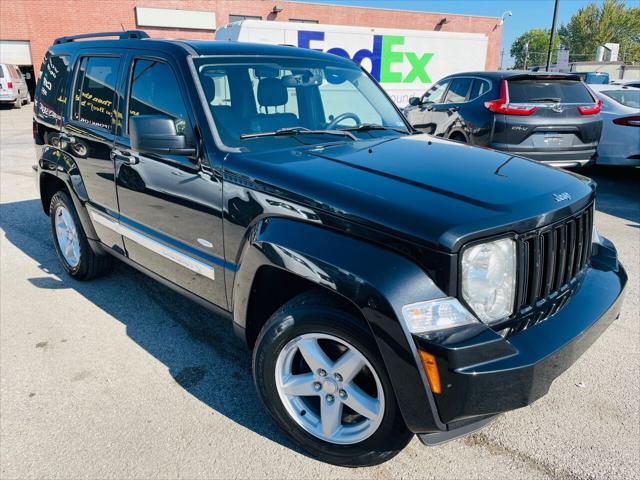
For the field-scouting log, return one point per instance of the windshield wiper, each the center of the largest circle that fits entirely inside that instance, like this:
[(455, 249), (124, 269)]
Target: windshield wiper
[(284, 132), (365, 127), (546, 99)]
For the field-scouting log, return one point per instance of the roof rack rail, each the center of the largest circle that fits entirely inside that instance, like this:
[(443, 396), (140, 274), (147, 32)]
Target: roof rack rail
[(125, 35)]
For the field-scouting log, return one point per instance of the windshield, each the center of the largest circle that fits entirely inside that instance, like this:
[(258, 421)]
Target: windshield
[(304, 99)]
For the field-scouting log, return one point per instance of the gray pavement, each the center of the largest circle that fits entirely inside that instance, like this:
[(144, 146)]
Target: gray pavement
[(122, 378)]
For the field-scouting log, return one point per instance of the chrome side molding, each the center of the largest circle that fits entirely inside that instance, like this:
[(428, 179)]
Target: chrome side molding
[(155, 246)]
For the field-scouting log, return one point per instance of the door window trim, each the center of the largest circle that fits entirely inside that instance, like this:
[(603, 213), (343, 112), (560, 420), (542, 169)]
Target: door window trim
[(467, 99), (75, 71), (126, 90)]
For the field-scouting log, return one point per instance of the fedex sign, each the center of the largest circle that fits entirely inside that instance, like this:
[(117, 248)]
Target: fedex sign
[(382, 55)]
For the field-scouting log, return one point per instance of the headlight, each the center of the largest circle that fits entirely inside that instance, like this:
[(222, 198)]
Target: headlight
[(489, 279), (437, 314)]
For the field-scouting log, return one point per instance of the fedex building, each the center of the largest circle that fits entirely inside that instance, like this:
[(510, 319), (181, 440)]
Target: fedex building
[(28, 27)]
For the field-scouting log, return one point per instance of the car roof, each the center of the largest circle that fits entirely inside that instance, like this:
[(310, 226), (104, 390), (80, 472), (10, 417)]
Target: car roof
[(610, 86), (199, 48), (507, 74)]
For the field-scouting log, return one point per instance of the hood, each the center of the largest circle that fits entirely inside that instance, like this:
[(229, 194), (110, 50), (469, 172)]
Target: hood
[(437, 192)]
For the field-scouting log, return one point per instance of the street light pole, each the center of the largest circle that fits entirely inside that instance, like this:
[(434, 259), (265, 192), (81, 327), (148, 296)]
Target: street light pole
[(553, 31)]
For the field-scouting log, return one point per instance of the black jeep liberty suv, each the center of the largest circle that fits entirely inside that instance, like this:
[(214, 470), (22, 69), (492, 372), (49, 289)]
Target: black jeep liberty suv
[(389, 283)]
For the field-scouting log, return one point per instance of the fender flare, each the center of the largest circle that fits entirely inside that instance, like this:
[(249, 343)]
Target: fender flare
[(376, 280), (60, 165)]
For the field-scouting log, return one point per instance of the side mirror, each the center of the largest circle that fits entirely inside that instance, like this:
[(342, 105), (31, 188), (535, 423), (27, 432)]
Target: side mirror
[(414, 101), (156, 134)]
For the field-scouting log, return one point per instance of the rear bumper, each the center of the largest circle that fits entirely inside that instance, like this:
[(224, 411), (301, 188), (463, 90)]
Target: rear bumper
[(8, 98), (483, 374), (567, 158)]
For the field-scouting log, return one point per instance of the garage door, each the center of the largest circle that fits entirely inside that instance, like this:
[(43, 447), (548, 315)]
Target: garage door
[(16, 52)]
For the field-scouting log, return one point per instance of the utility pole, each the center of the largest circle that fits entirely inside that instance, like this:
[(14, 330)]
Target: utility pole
[(553, 32), (501, 58), (526, 55)]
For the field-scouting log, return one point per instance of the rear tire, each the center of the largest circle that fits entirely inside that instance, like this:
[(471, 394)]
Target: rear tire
[(17, 104), (368, 429), (73, 249), (458, 137)]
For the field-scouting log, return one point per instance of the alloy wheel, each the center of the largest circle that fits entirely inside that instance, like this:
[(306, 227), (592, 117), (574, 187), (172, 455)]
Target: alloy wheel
[(329, 388)]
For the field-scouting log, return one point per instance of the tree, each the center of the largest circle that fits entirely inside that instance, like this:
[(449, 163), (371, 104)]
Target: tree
[(538, 42), (593, 26)]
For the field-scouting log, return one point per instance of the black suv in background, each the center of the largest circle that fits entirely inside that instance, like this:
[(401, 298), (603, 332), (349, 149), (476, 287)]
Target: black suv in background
[(551, 118), (388, 283)]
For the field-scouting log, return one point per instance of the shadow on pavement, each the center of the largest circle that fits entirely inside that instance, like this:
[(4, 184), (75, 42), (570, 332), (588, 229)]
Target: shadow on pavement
[(200, 350)]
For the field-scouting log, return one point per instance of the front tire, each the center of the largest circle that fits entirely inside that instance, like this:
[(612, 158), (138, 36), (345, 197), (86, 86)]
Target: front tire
[(319, 375), (73, 249)]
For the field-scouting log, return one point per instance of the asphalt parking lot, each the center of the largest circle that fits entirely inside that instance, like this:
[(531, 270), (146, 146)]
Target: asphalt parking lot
[(122, 378)]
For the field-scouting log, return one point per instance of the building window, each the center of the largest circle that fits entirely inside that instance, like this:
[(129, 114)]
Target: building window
[(301, 20), (239, 18)]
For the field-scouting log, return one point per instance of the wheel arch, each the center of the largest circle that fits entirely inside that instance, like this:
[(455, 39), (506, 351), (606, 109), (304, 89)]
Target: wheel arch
[(457, 133), (368, 279), (67, 178)]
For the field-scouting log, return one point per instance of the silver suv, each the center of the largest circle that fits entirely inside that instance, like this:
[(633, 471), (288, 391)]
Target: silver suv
[(13, 86)]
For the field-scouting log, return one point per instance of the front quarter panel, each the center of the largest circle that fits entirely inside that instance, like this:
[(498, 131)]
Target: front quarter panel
[(377, 281)]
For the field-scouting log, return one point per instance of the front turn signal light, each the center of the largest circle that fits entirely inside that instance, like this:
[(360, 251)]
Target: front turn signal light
[(431, 369)]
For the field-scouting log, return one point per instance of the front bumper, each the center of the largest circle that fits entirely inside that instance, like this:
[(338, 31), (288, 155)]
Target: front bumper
[(483, 374)]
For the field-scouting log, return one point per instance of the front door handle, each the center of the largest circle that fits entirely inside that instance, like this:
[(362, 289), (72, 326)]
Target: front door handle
[(453, 109), (125, 157)]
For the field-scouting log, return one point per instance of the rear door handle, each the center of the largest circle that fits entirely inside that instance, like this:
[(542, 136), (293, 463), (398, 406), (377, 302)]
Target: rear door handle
[(124, 157)]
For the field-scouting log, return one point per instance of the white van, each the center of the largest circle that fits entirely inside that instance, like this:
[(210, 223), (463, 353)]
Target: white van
[(13, 86), (405, 62)]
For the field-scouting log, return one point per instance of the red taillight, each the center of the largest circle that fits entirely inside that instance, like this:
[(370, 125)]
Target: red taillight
[(502, 105), (633, 121), (591, 109), (9, 84)]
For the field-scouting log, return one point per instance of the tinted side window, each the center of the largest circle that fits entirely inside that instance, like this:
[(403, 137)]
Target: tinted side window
[(458, 90), (434, 94), (94, 96), (155, 91), (51, 91), (543, 90), (480, 87)]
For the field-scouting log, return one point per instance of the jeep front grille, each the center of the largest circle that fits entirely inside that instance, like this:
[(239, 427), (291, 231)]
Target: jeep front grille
[(551, 257)]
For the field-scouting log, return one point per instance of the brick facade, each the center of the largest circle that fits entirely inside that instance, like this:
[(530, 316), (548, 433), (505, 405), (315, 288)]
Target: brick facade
[(41, 21)]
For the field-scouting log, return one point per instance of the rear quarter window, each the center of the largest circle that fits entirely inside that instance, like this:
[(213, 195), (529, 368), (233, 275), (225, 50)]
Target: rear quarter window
[(543, 90), (51, 91), (628, 98)]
